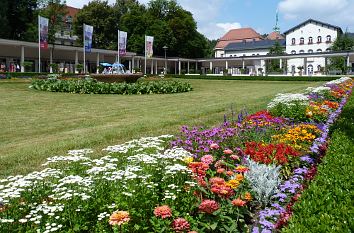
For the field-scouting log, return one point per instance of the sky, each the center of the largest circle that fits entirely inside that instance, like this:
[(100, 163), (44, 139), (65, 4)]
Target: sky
[(216, 17)]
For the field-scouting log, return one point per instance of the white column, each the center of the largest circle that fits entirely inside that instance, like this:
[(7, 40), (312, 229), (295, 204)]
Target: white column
[(22, 58), (280, 63), (196, 66), (130, 66), (97, 62), (50, 59), (133, 64), (179, 67), (348, 62), (305, 66), (76, 60), (188, 68), (227, 65), (152, 66), (156, 67), (243, 64), (263, 66), (211, 67)]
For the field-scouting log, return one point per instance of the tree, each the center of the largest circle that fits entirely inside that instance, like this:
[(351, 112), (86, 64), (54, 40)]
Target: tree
[(16, 17), (55, 11), (274, 64), (342, 43)]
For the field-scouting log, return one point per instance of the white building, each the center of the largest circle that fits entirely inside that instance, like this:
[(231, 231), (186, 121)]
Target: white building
[(311, 36)]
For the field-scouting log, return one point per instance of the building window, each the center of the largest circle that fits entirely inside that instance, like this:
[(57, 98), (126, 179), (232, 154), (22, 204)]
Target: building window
[(301, 51), (319, 68), (293, 41), (319, 39), (253, 54), (293, 52), (222, 55), (319, 50), (310, 51), (328, 50), (328, 39), (310, 40), (230, 55), (302, 40)]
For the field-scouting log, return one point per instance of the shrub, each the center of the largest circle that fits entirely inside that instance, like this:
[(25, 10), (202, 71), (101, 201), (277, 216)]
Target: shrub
[(91, 86)]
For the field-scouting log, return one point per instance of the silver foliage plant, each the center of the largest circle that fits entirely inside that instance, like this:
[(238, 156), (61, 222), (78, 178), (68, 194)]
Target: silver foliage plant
[(264, 180)]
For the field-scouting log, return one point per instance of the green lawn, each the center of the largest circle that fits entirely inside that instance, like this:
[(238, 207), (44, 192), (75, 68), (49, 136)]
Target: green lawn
[(36, 125)]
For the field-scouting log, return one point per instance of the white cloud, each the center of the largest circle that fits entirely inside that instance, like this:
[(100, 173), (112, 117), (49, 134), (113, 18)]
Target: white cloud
[(339, 12)]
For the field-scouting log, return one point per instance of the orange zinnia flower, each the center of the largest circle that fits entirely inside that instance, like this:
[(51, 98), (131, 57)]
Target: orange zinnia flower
[(238, 202), (119, 217)]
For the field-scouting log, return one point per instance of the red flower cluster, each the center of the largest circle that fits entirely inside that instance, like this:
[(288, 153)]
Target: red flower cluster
[(263, 118), (209, 206), (219, 187), (180, 225), (163, 211), (270, 153)]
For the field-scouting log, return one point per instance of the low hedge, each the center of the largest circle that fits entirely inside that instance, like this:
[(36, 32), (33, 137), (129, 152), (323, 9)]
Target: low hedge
[(328, 204), (91, 86), (258, 78), (20, 75)]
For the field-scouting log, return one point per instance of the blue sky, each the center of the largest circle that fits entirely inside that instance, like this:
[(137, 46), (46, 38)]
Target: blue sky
[(216, 17)]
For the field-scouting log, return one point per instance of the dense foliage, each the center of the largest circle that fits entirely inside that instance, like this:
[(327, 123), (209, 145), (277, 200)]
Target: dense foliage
[(327, 205), (91, 86), (168, 22), (344, 42)]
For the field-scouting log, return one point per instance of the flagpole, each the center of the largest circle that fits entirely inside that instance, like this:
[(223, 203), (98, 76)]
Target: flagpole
[(145, 57), (39, 44), (118, 47), (84, 51)]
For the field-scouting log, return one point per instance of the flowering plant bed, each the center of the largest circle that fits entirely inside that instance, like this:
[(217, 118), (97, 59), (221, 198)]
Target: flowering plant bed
[(242, 176), (92, 86)]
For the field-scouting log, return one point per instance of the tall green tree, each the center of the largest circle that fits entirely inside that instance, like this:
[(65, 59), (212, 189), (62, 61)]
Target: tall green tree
[(343, 43), (16, 17), (100, 15)]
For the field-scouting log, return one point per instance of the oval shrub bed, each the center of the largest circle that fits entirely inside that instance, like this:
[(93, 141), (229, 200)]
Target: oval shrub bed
[(91, 86)]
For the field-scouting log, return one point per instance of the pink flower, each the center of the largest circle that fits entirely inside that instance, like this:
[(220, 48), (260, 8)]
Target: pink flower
[(208, 206), (214, 146), (163, 211), (208, 159), (228, 152), (180, 224), (234, 157), (220, 170)]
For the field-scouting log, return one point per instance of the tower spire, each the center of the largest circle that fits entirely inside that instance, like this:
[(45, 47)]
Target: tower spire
[(276, 27)]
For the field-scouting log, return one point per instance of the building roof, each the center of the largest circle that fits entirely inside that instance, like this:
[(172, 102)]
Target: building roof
[(313, 21), (262, 44), (275, 36), (72, 11), (238, 35)]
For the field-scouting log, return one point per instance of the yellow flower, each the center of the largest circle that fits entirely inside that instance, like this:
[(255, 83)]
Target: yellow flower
[(233, 183), (188, 160)]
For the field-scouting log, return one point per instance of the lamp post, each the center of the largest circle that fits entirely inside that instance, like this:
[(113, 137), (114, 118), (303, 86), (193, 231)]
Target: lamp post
[(165, 48)]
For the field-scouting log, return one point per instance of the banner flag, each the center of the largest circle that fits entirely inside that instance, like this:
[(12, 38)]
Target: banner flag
[(149, 46), (43, 32), (88, 31), (123, 37)]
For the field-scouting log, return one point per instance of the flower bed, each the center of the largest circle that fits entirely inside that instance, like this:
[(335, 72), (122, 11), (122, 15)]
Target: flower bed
[(91, 86), (242, 176)]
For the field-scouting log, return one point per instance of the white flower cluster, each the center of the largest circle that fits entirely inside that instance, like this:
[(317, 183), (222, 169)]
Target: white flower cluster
[(288, 99), (15, 185), (338, 81), (139, 145), (318, 90), (81, 152)]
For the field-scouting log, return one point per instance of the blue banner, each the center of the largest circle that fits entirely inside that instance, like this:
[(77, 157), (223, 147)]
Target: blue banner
[(88, 31)]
